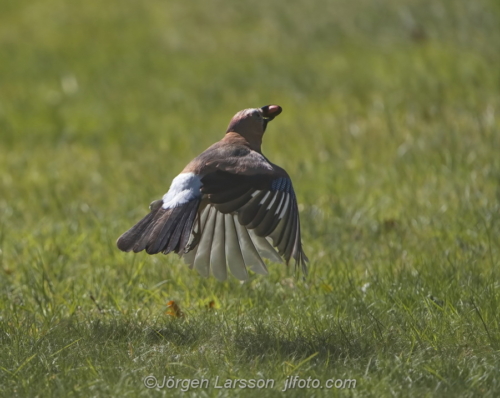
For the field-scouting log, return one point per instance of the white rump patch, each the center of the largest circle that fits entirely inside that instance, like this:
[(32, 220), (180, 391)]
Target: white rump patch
[(184, 188)]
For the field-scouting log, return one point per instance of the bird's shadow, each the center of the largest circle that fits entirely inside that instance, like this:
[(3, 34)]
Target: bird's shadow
[(265, 341)]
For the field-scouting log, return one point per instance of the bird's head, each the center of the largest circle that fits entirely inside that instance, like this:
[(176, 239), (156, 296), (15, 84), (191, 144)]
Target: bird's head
[(251, 123)]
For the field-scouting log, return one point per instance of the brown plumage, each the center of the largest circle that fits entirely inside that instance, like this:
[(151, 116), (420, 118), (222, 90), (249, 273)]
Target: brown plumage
[(228, 208)]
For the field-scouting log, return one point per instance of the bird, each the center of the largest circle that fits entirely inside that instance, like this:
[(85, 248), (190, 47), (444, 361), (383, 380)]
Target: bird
[(228, 209)]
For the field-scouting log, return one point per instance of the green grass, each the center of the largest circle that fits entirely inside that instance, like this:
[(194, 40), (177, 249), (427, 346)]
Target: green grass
[(390, 131)]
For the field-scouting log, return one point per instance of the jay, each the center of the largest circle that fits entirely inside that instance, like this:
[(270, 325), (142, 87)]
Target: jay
[(228, 208)]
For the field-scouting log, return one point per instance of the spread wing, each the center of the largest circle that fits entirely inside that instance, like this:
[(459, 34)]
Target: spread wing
[(223, 220), (241, 219)]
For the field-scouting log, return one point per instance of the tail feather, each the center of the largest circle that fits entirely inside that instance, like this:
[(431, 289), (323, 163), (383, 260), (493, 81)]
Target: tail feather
[(188, 227), (191, 248), (173, 240), (162, 230), (209, 240), (128, 240)]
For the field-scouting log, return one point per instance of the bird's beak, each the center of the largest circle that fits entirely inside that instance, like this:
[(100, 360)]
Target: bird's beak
[(270, 112)]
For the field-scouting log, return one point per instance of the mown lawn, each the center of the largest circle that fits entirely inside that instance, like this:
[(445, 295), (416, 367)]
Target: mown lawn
[(390, 131)]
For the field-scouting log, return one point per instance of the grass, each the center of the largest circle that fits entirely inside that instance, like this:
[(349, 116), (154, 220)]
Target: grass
[(390, 131)]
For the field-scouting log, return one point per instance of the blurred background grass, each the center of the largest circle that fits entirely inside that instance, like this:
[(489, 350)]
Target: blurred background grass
[(390, 132)]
